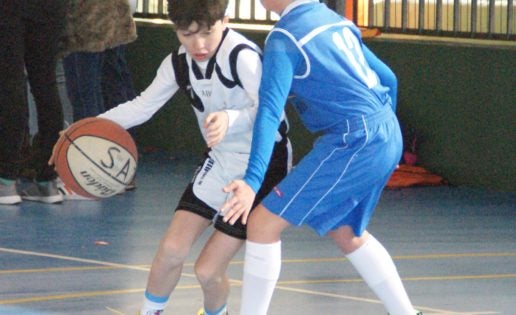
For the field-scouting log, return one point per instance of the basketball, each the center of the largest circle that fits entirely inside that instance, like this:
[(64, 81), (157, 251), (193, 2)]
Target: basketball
[(96, 157)]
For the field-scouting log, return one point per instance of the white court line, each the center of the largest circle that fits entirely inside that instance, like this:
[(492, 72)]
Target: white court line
[(433, 311), (319, 293)]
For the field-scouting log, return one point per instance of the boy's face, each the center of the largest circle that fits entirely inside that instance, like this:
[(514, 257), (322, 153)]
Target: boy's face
[(276, 6), (202, 42)]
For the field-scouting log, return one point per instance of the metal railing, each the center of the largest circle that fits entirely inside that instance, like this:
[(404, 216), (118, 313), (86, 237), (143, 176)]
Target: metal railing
[(492, 19)]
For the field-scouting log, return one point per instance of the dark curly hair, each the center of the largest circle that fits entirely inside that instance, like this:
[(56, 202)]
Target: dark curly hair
[(204, 12)]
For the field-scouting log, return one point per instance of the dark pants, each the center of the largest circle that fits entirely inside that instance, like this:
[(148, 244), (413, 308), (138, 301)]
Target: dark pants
[(83, 73), (117, 83), (97, 81), (29, 33)]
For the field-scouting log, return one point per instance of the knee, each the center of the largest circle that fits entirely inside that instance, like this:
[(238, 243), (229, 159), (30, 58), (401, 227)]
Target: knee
[(208, 275), (171, 253), (347, 241)]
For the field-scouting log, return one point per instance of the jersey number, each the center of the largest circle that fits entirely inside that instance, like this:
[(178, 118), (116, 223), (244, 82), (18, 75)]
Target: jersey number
[(349, 44)]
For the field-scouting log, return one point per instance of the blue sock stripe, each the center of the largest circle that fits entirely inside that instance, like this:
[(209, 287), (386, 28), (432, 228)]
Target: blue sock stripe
[(155, 299), (214, 312)]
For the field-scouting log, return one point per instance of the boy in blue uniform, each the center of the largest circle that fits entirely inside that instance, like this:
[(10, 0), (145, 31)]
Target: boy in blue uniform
[(317, 59)]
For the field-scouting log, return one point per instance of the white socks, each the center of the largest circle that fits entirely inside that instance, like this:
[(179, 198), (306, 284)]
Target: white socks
[(375, 265), (152, 303), (262, 268)]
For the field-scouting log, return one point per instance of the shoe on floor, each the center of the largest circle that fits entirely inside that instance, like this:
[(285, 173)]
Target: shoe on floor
[(69, 194), (9, 195), (156, 312), (417, 312), (201, 311), (45, 192)]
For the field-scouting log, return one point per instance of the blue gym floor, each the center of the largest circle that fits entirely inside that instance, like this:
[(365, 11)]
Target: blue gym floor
[(455, 249)]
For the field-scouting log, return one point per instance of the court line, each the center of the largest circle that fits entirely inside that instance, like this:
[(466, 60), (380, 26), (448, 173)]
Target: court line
[(286, 261), (134, 267), (112, 310), (373, 301), (183, 287)]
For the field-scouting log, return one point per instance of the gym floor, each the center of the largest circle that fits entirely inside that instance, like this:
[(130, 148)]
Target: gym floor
[(455, 249)]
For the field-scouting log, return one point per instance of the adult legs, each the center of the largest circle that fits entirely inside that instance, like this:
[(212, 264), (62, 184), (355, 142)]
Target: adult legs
[(83, 73), (117, 83), (13, 106), (41, 44)]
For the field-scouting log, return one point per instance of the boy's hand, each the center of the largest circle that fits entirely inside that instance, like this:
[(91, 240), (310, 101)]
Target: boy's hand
[(240, 203), (216, 126)]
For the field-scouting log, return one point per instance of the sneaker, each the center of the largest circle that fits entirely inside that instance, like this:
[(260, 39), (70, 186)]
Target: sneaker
[(417, 312), (69, 194), (9, 195), (201, 311), (154, 312), (46, 192)]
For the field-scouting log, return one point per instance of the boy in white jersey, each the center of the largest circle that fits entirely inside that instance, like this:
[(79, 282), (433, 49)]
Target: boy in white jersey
[(220, 70), (317, 59)]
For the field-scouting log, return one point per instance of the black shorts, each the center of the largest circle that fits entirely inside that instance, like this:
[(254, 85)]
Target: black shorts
[(279, 166)]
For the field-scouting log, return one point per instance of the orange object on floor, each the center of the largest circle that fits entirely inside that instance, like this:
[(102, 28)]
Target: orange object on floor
[(407, 175)]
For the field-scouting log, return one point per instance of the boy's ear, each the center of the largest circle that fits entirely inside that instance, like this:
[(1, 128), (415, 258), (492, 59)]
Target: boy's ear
[(225, 19)]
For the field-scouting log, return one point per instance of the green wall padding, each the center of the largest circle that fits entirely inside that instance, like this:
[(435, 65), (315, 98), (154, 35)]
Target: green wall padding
[(458, 100)]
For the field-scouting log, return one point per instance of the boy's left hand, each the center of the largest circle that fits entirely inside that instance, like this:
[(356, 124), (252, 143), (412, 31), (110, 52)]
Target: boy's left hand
[(216, 126)]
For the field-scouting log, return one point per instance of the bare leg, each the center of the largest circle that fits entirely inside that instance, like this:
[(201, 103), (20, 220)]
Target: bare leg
[(174, 247), (211, 267)]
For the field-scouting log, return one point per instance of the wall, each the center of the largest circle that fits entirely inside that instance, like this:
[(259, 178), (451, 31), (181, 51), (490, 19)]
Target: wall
[(457, 98)]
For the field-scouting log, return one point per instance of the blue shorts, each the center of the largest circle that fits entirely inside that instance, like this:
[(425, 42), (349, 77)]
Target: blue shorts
[(340, 181)]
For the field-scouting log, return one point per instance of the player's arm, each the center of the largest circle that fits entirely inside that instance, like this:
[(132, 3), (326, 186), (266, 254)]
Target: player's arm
[(144, 106), (279, 64), (385, 74)]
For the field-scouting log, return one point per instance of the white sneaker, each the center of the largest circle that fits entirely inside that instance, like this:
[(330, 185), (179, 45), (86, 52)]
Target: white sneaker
[(9, 195), (45, 192), (69, 194)]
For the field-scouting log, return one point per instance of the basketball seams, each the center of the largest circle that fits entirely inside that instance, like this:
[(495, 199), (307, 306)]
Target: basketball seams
[(113, 127), (87, 156), (89, 177)]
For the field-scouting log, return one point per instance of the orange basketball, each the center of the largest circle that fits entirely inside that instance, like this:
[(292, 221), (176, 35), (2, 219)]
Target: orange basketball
[(96, 157)]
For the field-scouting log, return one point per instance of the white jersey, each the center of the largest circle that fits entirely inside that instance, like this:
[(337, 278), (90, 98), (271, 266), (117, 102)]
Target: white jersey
[(213, 89), (240, 102)]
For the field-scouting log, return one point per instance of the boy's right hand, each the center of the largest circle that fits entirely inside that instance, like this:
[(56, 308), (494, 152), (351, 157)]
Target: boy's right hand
[(216, 126)]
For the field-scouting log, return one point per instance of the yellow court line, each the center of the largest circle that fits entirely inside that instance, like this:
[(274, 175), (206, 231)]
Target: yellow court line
[(358, 299), (57, 269), (280, 286), (83, 294), (108, 265), (114, 311), (410, 257), (429, 278)]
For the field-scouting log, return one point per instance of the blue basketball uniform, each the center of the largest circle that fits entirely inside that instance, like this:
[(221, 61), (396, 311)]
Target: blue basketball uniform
[(315, 57)]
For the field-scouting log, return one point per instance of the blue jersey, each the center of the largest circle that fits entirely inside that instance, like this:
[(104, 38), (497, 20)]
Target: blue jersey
[(314, 57)]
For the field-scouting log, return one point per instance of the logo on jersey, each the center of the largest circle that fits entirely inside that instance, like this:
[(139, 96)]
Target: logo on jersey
[(207, 167), (278, 192)]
